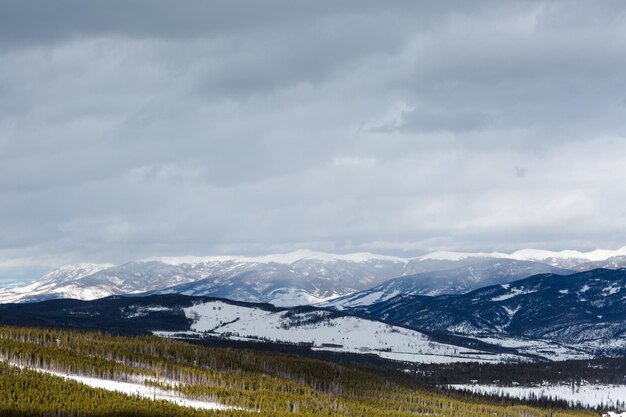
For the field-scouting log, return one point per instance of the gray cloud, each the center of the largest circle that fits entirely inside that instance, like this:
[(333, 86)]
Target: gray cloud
[(135, 129)]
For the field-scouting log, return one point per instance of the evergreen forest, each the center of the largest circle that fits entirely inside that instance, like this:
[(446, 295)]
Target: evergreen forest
[(252, 382)]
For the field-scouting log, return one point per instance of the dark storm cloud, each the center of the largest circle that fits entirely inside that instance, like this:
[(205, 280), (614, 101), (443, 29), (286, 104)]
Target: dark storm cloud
[(36, 21), (143, 128)]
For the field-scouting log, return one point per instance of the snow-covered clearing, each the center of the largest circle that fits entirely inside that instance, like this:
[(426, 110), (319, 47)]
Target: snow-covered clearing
[(324, 330), (140, 390), (589, 395), (545, 348), (513, 293), (143, 391)]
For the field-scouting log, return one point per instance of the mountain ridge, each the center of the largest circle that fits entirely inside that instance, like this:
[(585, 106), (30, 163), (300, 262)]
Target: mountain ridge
[(214, 319), (451, 281), (585, 308), (298, 277)]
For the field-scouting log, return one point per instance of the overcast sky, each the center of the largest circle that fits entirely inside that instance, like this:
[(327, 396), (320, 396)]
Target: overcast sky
[(131, 129)]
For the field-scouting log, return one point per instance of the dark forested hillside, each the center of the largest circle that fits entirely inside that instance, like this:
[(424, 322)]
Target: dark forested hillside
[(584, 307), (118, 314), (265, 384)]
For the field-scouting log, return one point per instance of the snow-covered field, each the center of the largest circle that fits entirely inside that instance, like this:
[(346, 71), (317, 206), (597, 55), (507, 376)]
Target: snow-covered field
[(138, 389), (544, 348), (143, 391), (324, 331), (609, 396)]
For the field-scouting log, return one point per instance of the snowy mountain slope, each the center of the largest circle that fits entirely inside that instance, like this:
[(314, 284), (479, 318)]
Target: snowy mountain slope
[(614, 262), (592, 256), (453, 281), (586, 309), (96, 281), (299, 277), (531, 255), (64, 282), (302, 277), (567, 259)]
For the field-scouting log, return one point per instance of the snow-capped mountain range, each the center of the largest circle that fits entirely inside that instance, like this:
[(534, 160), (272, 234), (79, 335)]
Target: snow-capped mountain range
[(304, 276)]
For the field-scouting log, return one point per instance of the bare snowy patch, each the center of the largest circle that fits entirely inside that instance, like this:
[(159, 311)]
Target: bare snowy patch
[(586, 395), (140, 390)]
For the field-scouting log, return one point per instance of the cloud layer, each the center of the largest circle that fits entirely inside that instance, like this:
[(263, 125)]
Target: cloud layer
[(134, 129)]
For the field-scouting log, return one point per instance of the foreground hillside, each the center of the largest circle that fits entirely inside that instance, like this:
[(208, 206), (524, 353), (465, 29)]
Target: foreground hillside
[(241, 382)]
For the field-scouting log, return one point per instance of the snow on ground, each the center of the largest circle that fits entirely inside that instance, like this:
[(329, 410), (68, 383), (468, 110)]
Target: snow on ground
[(290, 297), (613, 289), (513, 293), (142, 311), (359, 299), (144, 391), (586, 395), (51, 283), (545, 348), (16, 295), (372, 298), (140, 390), (324, 331)]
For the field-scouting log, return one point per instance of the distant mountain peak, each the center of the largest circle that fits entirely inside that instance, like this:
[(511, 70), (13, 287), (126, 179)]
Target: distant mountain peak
[(596, 255), (592, 256), (457, 256), (75, 271)]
